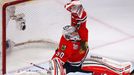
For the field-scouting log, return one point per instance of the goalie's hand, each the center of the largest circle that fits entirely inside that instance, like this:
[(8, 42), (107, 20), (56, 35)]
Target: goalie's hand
[(73, 6)]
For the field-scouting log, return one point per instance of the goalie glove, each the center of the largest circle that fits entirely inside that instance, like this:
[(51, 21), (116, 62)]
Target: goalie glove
[(75, 7)]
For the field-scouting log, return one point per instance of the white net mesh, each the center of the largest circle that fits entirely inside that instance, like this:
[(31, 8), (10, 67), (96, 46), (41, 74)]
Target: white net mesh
[(44, 20)]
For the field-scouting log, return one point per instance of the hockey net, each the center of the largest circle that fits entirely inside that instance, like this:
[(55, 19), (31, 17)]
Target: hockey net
[(38, 37)]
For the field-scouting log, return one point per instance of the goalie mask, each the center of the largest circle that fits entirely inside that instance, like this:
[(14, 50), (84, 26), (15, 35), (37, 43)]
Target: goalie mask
[(70, 33)]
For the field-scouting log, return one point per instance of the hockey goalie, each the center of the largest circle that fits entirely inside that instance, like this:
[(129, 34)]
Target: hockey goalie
[(73, 45), (73, 48)]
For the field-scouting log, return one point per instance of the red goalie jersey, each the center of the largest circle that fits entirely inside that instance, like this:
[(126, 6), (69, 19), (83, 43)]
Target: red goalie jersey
[(74, 52)]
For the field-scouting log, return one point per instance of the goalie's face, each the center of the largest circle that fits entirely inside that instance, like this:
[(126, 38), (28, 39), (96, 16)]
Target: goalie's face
[(70, 33)]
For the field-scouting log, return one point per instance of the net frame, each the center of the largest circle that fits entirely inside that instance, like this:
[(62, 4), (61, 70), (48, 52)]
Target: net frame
[(5, 5), (4, 26), (4, 31)]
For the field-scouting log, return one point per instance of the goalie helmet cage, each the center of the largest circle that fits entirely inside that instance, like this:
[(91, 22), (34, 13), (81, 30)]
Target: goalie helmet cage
[(4, 30)]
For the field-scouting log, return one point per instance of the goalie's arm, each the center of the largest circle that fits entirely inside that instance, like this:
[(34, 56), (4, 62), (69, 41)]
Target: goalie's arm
[(79, 15)]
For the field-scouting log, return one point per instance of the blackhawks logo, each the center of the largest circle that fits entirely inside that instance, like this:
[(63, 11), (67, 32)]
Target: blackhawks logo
[(63, 47)]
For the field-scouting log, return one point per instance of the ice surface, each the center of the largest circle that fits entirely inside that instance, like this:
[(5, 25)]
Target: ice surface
[(110, 24)]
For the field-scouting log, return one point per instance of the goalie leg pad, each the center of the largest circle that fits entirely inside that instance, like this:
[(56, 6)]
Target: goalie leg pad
[(57, 67), (105, 65)]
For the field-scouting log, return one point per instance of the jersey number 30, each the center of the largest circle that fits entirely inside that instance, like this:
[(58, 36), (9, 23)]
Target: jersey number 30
[(60, 54)]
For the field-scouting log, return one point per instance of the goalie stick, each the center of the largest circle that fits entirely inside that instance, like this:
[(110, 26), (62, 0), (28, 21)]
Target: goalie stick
[(54, 68), (48, 71)]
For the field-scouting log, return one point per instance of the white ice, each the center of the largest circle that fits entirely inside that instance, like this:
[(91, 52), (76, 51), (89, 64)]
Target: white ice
[(110, 24)]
